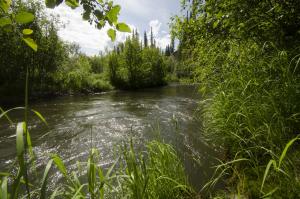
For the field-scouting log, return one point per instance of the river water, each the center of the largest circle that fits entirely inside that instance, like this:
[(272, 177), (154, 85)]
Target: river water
[(77, 123)]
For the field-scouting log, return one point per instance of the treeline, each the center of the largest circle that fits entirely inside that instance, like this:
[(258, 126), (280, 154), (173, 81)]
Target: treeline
[(60, 68), (134, 65), (245, 55)]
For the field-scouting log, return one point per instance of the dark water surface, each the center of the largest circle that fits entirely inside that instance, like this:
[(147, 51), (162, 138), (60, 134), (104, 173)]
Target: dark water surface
[(105, 120)]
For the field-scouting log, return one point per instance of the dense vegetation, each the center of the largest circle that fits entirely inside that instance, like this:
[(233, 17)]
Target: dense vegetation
[(245, 55), (132, 65), (58, 67)]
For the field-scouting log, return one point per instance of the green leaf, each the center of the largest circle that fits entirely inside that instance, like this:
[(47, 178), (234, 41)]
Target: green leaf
[(27, 31), (271, 163), (24, 17), (72, 3), (216, 23), (101, 24), (98, 14), (5, 4), (7, 117), (39, 116), (4, 21), (30, 42), (44, 181), (112, 15), (123, 27), (112, 34), (288, 145), (3, 190), (86, 15), (50, 3), (60, 165), (20, 138), (55, 193)]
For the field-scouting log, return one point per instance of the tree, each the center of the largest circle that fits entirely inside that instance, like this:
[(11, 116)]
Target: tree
[(172, 45), (167, 51), (145, 40), (151, 38)]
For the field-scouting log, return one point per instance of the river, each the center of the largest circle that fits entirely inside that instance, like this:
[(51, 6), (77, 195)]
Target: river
[(77, 123)]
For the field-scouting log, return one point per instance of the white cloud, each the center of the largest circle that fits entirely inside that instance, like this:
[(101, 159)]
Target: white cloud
[(90, 39), (161, 36), (138, 12), (163, 41), (155, 25)]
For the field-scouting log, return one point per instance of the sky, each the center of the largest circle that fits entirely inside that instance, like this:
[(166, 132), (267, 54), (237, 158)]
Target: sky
[(138, 14)]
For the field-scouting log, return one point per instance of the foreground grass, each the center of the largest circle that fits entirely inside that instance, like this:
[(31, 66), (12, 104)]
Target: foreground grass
[(251, 110), (156, 172)]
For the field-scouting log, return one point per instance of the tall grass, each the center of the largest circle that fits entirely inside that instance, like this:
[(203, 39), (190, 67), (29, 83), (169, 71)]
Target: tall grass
[(155, 173), (251, 109)]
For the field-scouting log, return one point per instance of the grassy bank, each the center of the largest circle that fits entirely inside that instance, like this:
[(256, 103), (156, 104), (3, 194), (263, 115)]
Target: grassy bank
[(245, 57)]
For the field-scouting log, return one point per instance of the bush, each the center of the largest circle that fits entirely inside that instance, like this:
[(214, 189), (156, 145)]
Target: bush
[(135, 67)]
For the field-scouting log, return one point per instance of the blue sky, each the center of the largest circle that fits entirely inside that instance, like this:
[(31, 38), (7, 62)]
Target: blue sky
[(139, 14)]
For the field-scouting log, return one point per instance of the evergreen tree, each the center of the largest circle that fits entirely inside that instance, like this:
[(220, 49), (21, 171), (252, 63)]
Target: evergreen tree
[(137, 35), (172, 46), (167, 52), (145, 40), (152, 38)]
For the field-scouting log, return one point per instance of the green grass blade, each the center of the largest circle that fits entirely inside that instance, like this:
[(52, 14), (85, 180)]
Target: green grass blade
[(20, 139), (111, 169), (59, 164), (9, 110), (7, 117), (55, 193), (288, 145), (3, 191), (75, 196), (271, 162), (44, 181), (91, 174), (39, 115)]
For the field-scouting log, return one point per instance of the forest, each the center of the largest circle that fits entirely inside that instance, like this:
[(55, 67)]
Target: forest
[(243, 58)]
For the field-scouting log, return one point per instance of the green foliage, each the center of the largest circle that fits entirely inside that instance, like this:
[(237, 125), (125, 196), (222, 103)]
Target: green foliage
[(134, 67), (123, 27), (30, 42), (253, 111), (245, 57), (50, 69), (27, 31), (24, 17), (112, 34), (83, 74), (156, 173)]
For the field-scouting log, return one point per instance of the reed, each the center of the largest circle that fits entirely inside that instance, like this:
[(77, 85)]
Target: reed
[(250, 109)]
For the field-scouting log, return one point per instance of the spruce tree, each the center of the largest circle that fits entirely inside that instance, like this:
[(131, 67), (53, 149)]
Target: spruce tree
[(167, 52), (152, 38), (137, 34), (145, 40), (172, 46)]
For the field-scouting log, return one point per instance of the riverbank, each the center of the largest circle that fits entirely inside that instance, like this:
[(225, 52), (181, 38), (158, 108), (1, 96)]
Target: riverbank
[(17, 98)]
